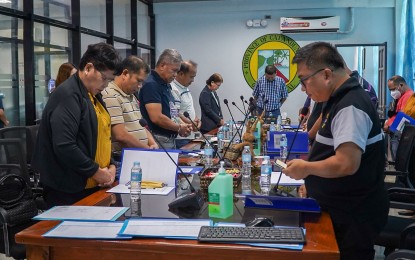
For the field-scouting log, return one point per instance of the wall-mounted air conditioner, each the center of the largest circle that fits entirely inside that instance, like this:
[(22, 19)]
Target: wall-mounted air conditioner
[(309, 24)]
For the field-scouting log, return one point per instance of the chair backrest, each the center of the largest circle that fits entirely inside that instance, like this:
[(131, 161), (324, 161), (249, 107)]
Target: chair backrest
[(401, 254), (405, 148), (11, 153), (25, 134)]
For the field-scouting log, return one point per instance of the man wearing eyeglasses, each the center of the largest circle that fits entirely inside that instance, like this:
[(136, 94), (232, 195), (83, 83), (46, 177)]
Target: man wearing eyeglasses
[(270, 92), (345, 168), (73, 149)]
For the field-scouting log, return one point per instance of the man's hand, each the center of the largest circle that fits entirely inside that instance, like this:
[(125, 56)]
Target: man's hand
[(104, 176), (296, 169), (198, 124), (154, 146), (221, 123), (302, 191), (185, 130), (386, 128)]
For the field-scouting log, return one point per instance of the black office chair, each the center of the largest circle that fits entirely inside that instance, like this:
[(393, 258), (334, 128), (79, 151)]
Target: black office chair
[(399, 232), (404, 159), (17, 208), (401, 254)]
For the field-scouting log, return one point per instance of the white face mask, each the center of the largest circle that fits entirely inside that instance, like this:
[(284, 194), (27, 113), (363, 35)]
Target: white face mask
[(395, 94)]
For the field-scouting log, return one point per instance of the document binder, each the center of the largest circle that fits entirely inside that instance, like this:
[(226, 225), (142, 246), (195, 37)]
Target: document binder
[(282, 203)]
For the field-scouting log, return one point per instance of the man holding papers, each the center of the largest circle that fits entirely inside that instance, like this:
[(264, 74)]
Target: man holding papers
[(73, 149), (345, 171)]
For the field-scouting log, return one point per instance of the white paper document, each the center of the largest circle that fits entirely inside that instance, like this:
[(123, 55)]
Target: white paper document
[(187, 229), (95, 213), (156, 166), (285, 180), (87, 230)]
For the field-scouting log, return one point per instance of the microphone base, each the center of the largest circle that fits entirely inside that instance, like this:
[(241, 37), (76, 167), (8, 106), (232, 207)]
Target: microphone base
[(193, 200)]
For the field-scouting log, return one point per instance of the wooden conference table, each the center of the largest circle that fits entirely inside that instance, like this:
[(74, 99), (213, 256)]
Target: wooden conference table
[(320, 240)]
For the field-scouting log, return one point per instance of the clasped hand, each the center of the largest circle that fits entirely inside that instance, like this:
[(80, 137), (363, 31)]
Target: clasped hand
[(105, 176)]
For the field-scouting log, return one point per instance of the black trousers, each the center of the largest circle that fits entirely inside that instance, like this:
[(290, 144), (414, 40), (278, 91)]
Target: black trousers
[(54, 197), (356, 239)]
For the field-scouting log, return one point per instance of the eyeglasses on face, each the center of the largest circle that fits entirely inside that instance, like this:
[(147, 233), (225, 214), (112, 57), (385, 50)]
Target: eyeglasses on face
[(303, 80)]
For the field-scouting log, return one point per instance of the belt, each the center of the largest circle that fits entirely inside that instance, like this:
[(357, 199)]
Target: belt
[(170, 136)]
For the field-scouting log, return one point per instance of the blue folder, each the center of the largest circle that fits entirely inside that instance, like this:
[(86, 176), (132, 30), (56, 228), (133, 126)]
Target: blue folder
[(282, 203)]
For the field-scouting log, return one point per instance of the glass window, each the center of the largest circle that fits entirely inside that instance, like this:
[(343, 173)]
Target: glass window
[(44, 33), (11, 27), (143, 24), (123, 49), (122, 19), (47, 63), (14, 4), (87, 39), (60, 11), (145, 55), (12, 82), (93, 15)]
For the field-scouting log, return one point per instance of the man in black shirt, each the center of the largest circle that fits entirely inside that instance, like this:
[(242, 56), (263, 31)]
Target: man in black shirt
[(345, 170)]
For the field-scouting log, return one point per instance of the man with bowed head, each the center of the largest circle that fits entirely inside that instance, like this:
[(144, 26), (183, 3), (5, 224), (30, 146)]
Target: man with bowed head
[(74, 139), (157, 102), (341, 173)]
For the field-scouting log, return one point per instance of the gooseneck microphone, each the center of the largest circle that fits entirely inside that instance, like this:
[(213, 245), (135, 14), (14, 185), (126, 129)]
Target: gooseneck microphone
[(192, 200), (233, 119), (243, 104), (233, 103), (186, 114)]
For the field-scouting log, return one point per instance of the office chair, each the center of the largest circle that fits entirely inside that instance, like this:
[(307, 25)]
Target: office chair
[(399, 232), (401, 254), (404, 159), (17, 208)]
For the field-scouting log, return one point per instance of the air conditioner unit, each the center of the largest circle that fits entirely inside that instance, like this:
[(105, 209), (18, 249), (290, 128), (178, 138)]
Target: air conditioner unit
[(309, 24)]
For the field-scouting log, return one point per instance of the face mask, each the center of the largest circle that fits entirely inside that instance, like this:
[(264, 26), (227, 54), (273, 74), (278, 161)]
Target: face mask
[(395, 94)]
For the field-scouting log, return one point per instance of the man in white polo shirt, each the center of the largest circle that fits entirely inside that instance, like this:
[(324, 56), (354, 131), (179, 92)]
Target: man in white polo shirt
[(123, 106), (183, 98)]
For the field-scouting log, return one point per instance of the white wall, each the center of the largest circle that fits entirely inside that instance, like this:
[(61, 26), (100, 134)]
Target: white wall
[(214, 34)]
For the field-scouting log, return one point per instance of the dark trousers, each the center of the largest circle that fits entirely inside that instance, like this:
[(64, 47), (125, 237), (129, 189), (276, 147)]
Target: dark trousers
[(54, 197), (356, 239)]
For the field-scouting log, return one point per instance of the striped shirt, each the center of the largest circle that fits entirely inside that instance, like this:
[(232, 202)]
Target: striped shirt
[(273, 91), (124, 109)]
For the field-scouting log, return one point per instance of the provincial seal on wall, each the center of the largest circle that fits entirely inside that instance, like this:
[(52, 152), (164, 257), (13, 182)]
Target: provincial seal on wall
[(271, 49)]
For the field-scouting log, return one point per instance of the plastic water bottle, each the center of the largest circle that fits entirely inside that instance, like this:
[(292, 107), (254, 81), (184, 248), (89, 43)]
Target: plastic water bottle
[(246, 170), (135, 182), (220, 138), (272, 127), (265, 179), (220, 193), (283, 147), (279, 123), (208, 155)]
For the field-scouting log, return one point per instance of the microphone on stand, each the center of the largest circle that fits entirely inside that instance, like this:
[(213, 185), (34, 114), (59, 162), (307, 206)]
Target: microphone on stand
[(186, 114), (233, 119), (242, 98), (192, 200), (233, 103)]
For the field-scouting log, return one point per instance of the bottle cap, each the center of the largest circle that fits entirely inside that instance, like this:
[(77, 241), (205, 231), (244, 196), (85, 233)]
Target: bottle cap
[(136, 163), (246, 146)]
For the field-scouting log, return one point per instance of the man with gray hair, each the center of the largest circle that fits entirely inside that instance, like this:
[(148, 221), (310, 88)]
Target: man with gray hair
[(183, 98), (157, 102)]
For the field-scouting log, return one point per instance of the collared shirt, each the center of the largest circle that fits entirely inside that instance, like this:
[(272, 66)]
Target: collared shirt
[(401, 105), (103, 154), (184, 102), (124, 109), (273, 91), (349, 116), (156, 90)]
